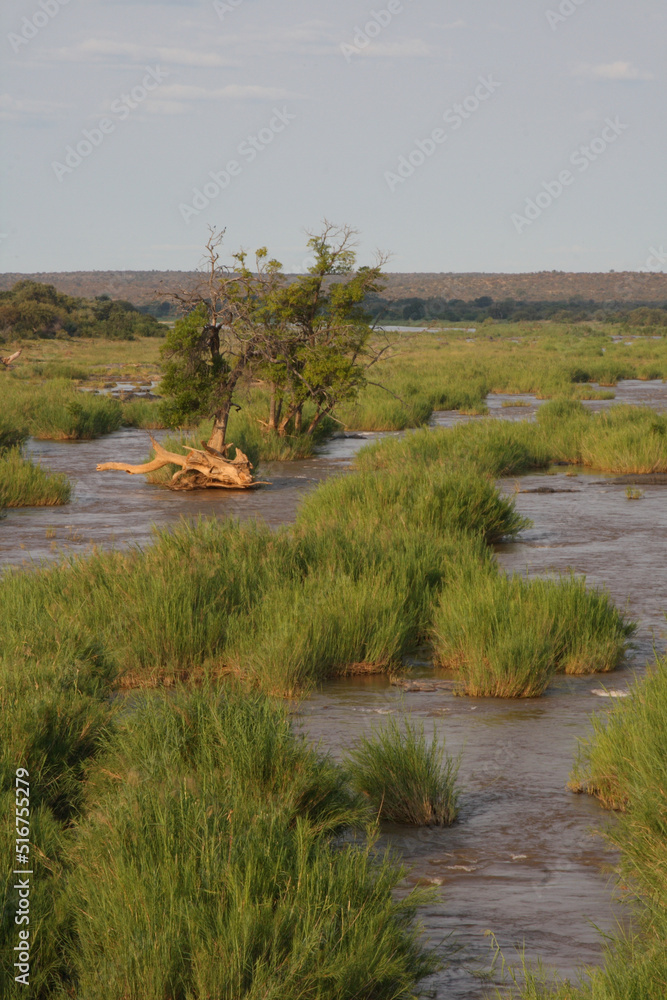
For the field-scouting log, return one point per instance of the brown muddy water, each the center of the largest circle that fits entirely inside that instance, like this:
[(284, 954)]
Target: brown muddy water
[(524, 860), (113, 509)]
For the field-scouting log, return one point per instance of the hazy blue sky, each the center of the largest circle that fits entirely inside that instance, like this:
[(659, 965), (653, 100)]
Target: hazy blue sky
[(315, 119)]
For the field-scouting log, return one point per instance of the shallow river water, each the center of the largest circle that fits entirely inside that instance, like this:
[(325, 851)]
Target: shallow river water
[(523, 860)]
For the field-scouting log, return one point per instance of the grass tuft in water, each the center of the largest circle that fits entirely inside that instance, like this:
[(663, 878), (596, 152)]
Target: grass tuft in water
[(507, 636), (23, 484), (406, 779)]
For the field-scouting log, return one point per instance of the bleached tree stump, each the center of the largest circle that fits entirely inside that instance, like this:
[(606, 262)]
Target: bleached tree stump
[(198, 469)]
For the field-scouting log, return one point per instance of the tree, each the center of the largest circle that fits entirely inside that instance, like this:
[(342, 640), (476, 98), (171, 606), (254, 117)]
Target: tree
[(211, 350), (306, 339), (313, 333)]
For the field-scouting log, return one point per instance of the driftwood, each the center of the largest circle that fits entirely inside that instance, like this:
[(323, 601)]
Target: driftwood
[(199, 469), (12, 357)]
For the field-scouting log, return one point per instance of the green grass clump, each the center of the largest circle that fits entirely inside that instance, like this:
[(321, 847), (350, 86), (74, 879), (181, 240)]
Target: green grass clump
[(143, 413), (507, 636), (283, 609), (12, 435), (406, 779), (23, 484), (627, 439), (496, 447), (622, 439), (355, 585), (208, 866), (627, 750), (53, 721), (411, 389), (433, 499), (326, 626), (56, 410)]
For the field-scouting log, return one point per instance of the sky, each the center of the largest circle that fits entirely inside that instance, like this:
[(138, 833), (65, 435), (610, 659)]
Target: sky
[(457, 135)]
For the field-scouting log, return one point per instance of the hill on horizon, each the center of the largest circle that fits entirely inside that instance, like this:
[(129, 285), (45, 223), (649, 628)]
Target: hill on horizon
[(145, 287)]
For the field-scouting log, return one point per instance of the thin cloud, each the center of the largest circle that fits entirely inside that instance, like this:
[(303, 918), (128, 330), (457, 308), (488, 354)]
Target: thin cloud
[(233, 91), (97, 49), (178, 99), (27, 110), (413, 48), (618, 70)]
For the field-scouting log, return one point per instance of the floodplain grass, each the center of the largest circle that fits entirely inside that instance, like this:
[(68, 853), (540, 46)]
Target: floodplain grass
[(624, 764), (325, 627), (143, 413), (421, 373), (623, 439), (497, 448), (57, 411), (507, 636), (213, 857), (24, 484), (203, 837), (354, 585), (414, 499), (405, 778), (12, 435), (282, 609)]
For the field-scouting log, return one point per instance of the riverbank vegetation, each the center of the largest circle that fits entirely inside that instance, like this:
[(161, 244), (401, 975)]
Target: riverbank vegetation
[(622, 439), (22, 483), (194, 846), (273, 609), (624, 764), (506, 636), (413, 375), (190, 844), (168, 822)]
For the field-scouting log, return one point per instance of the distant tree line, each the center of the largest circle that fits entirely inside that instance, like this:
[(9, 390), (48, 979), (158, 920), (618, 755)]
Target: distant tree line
[(574, 309), (30, 309)]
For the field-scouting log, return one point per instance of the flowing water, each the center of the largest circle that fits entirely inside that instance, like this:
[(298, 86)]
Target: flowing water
[(115, 509), (523, 860)]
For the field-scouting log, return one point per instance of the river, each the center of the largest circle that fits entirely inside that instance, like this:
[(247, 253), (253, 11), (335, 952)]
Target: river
[(523, 860)]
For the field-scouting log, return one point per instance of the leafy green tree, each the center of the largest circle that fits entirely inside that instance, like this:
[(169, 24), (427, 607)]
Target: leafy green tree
[(316, 348), (307, 339), (213, 349)]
